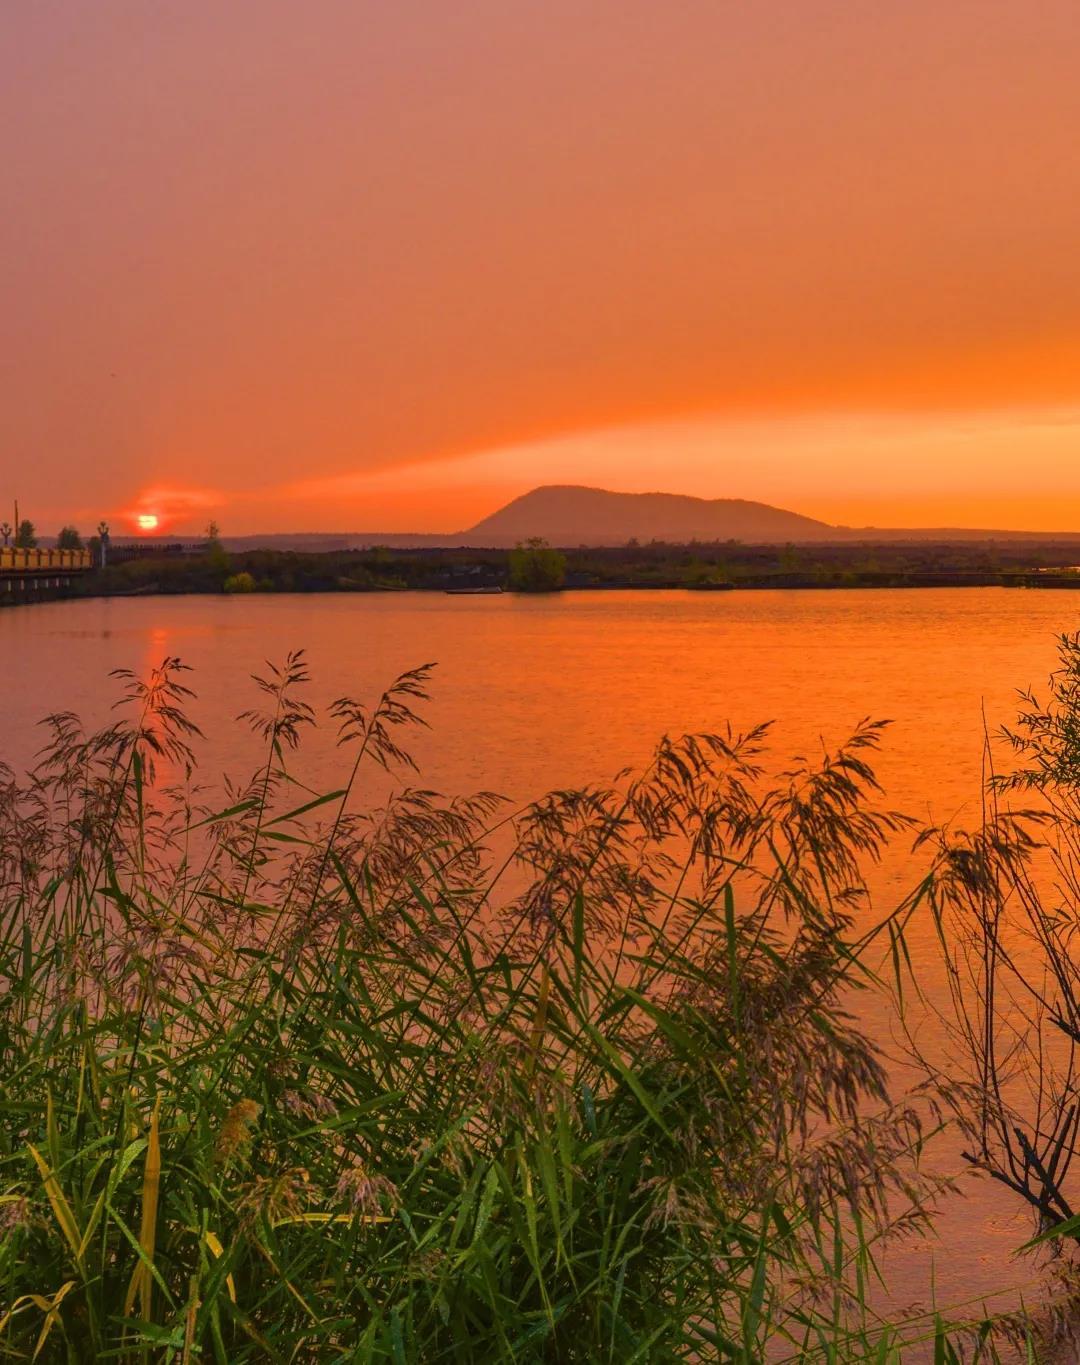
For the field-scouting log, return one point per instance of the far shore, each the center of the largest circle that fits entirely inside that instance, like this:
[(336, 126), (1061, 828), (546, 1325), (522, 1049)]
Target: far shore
[(137, 570), (89, 592)]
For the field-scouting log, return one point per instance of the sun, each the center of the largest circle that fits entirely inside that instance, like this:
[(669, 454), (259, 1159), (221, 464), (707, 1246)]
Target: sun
[(147, 521)]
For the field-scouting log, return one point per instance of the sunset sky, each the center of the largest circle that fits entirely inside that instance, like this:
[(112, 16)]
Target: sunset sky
[(383, 264)]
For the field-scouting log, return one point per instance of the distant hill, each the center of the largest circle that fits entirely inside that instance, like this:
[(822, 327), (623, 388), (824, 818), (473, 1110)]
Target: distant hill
[(570, 515)]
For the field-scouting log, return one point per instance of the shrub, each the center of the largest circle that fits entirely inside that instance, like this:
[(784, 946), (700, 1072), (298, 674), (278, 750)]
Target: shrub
[(536, 567), (240, 582)]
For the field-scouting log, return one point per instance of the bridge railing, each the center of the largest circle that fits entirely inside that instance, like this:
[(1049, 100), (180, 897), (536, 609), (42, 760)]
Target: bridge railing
[(15, 559)]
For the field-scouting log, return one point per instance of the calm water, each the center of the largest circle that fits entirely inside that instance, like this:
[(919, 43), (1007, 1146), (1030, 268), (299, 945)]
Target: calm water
[(534, 693)]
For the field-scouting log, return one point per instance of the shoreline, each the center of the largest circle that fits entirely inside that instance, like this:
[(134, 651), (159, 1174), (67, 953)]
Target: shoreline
[(654, 567), (1034, 582)]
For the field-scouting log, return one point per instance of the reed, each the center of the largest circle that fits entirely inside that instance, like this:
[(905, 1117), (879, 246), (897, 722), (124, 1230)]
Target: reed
[(337, 1076)]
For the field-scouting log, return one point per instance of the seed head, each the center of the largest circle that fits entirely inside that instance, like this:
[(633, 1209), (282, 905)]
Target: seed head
[(236, 1130), (365, 1192)]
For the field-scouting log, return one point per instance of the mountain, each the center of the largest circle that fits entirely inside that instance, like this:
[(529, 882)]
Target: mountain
[(571, 515)]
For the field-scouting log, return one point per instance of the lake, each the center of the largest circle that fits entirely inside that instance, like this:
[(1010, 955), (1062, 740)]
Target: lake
[(532, 693)]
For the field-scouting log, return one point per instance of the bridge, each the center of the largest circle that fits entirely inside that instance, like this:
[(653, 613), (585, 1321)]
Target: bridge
[(29, 575)]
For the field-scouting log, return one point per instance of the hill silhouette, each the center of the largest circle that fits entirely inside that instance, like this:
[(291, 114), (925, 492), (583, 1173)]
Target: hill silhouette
[(567, 514), (570, 515)]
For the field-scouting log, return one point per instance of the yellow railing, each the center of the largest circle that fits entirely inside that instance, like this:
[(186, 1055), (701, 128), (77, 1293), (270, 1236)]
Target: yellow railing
[(14, 559)]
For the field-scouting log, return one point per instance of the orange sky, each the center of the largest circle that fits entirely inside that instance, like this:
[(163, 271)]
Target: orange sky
[(350, 264)]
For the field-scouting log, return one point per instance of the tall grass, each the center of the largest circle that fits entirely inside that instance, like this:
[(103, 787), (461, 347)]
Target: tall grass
[(1005, 896), (322, 1077)]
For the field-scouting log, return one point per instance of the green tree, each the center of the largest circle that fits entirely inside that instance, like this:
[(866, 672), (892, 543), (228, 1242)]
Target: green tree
[(69, 539), (536, 567), (216, 553), (5, 531), (240, 582), (25, 537), (790, 559)]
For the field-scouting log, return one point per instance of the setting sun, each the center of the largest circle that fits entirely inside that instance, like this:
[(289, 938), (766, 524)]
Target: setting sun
[(147, 521)]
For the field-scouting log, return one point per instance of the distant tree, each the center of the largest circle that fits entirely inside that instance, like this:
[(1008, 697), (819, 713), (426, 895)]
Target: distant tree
[(69, 539), (536, 567), (25, 538), (240, 582), (702, 571), (216, 553), (790, 559), (5, 531)]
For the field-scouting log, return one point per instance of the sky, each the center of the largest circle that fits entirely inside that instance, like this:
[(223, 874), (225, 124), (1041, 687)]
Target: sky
[(351, 264)]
